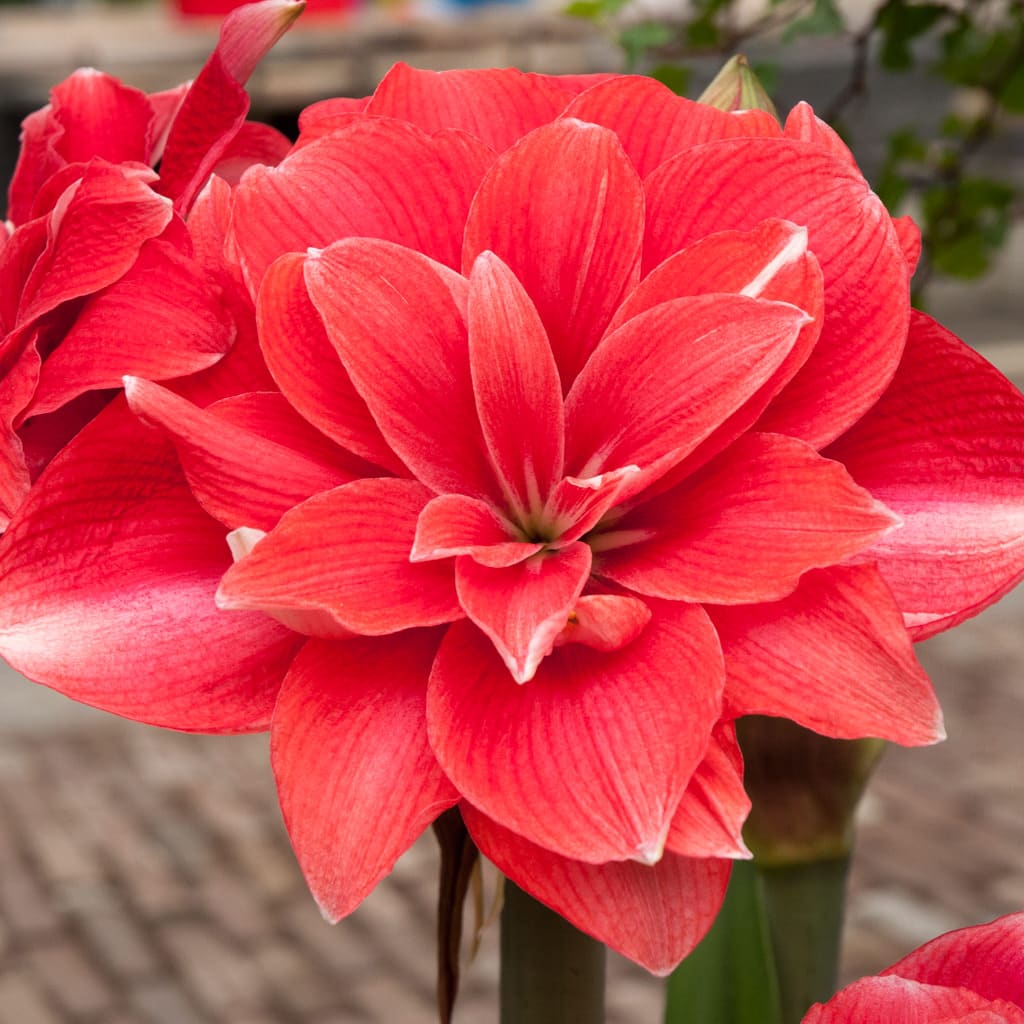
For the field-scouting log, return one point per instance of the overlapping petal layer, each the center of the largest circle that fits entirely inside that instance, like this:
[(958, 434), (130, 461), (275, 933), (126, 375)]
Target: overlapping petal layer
[(766, 494), (128, 554), (942, 448), (576, 251), (417, 194), (654, 915), (740, 182), (833, 656), (591, 758), (357, 779), (330, 554), (972, 976)]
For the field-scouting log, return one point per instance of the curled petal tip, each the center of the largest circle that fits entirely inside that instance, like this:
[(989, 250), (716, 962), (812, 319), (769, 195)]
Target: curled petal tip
[(327, 915), (242, 540), (651, 851), (251, 30)]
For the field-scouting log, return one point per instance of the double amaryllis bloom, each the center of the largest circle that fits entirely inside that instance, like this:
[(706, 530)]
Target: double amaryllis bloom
[(599, 418), (98, 274), (974, 975)]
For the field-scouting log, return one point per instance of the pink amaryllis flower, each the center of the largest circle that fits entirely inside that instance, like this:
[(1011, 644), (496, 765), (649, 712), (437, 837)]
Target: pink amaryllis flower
[(98, 274), (974, 975), (603, 420)]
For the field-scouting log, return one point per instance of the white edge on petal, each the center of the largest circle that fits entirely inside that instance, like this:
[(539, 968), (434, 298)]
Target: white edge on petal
[(793, 250)]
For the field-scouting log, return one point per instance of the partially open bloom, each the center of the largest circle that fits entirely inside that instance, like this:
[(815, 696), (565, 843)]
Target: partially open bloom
[(603, 420), (98, 274), (974, 975)]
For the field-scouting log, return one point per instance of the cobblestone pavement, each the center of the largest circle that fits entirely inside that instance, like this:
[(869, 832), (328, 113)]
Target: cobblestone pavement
[(145, 877)]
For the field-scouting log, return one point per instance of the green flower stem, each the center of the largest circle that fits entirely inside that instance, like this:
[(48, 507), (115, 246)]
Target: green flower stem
[(730, 977), (804, 906), (550, 972)]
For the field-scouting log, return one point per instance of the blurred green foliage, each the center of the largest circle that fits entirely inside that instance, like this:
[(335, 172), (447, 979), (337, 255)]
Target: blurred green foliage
[(974, 47)]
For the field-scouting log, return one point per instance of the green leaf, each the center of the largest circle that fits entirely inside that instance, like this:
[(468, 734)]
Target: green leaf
[(1012, 94), (824, 20), (675, 76), (730, 977), (768, 73), (637, 39), (965, 223), (900, 24), (592, 10), (703, 33)]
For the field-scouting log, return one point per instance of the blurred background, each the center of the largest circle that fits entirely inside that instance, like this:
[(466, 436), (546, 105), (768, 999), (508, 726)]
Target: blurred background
[(145, 877)]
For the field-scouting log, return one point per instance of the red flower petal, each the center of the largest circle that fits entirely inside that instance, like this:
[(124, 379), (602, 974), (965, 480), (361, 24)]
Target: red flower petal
[(214, 108), (769, 262), (208, 224), (38, 159), (654, 915), (95, 233), (18, 256), (254, 144), (898, 1001), (591, 758), (98, 116), (523, 607), (356, 777), (346, 552), (16, 389), (804, 125), (577, 503), (379, 179), (564, 209), (110, 568), (710, 817), (515, 381), (239, 477), (396, 318), (755, 519), (248, 33), (605, 622), (735, 184), (325, 116), (164, 318), (306, 366), (453, 524), (659, 385), (944, 448), (909, 235), (497, 105), (655, 124), (834, 657), (987, 959), (270, 415)]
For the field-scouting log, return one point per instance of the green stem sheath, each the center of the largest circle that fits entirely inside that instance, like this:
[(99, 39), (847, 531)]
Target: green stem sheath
[(804, 905), (550, 972), (730, 977)]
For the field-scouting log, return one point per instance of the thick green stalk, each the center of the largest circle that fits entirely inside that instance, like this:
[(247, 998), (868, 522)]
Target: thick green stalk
[(730, 977), (805, 789), (804, 905), (550, 972)]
